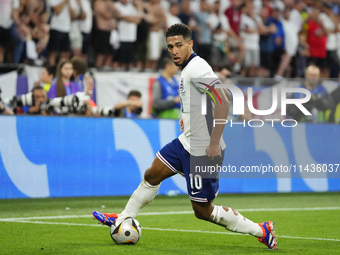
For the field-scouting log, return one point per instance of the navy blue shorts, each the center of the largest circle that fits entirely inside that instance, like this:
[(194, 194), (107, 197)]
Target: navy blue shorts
[(200, 188)]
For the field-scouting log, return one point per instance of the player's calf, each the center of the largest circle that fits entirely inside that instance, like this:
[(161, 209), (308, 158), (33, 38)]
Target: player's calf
[(142, 196), (234, 221), (202, 210)]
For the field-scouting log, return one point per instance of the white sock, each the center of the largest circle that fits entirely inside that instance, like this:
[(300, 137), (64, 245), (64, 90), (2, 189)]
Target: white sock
[(236, 223), (142, 196)]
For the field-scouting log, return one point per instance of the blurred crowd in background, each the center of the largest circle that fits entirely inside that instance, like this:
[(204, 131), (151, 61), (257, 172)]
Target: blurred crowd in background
[(262, 38), (246, 38)]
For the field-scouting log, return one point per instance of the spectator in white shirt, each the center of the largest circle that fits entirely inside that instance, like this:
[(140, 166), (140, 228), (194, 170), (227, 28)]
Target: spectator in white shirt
[(75, 34), (157, 24), (295, 14), (9, 12), (257, 6), (291, 38), (60, 25), (330, 25), (127, 30), (172, 15), (250, 29), (221, 52)]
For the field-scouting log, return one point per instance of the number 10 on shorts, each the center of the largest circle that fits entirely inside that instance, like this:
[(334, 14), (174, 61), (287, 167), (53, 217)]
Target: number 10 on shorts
[(195, 181)]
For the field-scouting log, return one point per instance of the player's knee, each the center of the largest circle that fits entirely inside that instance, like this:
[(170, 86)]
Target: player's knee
[(151, 178), (148, 176)]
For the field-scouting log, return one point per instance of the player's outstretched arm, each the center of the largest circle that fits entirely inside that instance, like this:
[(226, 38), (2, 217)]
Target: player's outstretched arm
[(221, 112)]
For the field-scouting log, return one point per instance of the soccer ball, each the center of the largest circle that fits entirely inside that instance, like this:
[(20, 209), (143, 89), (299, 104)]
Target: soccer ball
[(126, 231)]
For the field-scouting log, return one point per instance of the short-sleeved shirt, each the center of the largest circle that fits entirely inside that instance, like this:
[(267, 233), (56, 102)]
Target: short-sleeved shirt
[(219, 22), (296, 18), (251, 40), (291, 37), (197, 127), (317, 45), (86, 25), (234, 17), (7, 6), (127, 30), (62, 21), (331, 37)]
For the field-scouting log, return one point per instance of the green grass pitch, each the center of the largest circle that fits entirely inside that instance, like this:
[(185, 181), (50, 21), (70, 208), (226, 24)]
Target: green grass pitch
[(307, 223)]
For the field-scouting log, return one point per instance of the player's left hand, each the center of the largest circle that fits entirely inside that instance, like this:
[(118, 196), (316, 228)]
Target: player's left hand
[(213, 151)]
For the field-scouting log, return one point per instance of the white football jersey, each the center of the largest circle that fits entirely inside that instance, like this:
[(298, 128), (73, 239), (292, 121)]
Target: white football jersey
[(197, 127)]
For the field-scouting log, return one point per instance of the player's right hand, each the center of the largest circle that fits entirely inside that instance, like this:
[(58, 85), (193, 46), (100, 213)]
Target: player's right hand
[(181, 124), (213, 151)]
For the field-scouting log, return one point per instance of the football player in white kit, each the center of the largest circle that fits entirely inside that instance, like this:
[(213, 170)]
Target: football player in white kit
[(200, 144)]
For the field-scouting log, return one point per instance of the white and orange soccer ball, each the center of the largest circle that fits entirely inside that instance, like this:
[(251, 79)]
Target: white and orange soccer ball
[(126, 231)]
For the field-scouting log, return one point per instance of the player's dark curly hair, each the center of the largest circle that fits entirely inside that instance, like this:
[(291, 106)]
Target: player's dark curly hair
[(179, 29)]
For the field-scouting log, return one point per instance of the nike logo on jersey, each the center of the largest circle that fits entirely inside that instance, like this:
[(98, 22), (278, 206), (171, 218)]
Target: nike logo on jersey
[(194, 193)]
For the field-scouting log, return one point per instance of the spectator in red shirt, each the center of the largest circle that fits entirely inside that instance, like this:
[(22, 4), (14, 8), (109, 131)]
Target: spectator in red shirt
[(317, 40), (233, 14)]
